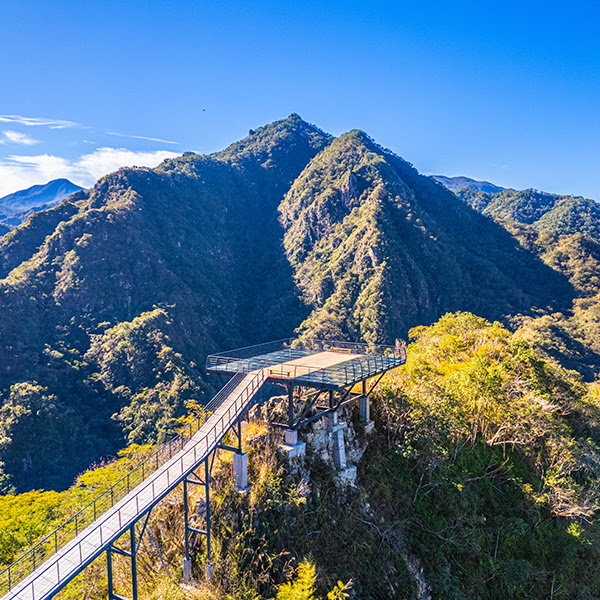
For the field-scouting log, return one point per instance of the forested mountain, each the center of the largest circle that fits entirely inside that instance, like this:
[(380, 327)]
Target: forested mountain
[(459, 183), (541, 210), (111, 301), (16, 207)]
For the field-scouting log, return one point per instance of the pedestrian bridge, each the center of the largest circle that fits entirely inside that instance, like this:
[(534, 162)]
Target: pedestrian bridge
[(325, 366)]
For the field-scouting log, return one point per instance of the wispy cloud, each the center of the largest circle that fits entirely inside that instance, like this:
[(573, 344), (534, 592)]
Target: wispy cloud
[(37, 121), (19, 172), (140, 137), (16, 137)]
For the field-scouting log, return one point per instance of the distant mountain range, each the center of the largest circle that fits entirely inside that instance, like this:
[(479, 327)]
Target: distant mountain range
[(460, 183), (16, 207)]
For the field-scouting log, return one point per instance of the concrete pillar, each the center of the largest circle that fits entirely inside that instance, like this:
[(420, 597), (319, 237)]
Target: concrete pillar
[(187, 569), (240, 470), (365, 409), (290, 437), (337, 438), (291, 446), (209, 572)]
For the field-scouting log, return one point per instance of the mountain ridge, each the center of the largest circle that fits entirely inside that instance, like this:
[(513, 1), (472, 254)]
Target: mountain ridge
[(461, 182), (288, 230)]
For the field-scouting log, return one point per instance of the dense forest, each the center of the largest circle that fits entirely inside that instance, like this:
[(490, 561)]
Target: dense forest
[(480, 480), (112, 300)]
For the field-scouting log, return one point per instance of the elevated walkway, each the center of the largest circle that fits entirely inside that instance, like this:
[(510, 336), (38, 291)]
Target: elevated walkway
[(48, 576), (52, 563)]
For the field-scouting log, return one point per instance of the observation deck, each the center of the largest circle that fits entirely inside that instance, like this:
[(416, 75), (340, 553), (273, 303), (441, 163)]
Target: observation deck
[(319, 364)]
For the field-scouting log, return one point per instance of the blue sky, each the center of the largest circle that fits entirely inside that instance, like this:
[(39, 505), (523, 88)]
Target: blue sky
[(507, 92)]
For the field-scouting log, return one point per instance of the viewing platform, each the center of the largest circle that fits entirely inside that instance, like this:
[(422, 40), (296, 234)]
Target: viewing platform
[(319, 364)]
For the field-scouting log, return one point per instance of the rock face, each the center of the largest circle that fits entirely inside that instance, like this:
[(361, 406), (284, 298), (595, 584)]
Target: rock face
[(323, 436)]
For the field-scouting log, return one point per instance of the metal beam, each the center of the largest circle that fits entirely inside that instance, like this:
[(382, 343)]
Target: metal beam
[(308, 407)]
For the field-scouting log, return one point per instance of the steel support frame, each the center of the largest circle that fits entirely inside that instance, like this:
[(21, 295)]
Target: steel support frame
[(345, 398), (194, 479), (132, 555)]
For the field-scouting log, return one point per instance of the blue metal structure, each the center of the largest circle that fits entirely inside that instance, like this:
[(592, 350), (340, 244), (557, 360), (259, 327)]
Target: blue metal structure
[(59, 557)]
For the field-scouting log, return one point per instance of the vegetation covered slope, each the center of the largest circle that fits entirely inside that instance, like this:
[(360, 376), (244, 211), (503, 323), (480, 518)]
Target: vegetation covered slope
[(541, 210), (481, 481), (111, 301), (376, 247), (198, 236)]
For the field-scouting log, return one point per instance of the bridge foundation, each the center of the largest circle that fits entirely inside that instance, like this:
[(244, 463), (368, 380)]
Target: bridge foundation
[(336, 429), (291, 446), (240, 471)]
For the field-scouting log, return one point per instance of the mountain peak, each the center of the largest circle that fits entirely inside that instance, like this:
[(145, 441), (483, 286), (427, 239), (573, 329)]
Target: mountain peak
[(461, 183), (16, 207)]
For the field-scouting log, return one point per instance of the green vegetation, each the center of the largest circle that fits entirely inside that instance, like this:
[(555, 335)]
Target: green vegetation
[(376, 248), (27, 518), (481, 481), (111, 301), (493, 465), (562, 214)]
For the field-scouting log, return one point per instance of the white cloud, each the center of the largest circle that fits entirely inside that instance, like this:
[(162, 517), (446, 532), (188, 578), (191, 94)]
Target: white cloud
[(36, 121), (17, 138), (19, 172), (140, 137), (106, 160)]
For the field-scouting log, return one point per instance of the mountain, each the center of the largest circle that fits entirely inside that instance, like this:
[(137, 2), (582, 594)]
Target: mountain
[(378, 248), (460, 183), (541, 210), (111, 300), (16, 207)]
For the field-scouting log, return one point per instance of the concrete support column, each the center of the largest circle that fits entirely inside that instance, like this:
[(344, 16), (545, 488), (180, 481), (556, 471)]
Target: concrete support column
[(291, 446), (240, 470), (365, 409), (187, 569), (337, 437)]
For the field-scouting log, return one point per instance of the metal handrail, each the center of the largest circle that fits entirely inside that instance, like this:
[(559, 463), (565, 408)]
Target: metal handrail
[(213, 361), (342, 374), (256, 349), (68, 531)]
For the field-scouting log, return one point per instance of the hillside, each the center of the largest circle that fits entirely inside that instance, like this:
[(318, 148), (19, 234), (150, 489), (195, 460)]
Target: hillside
[(376, 248), (480, 480), (111, 300), (81, 339), (16, 207), (541, 210)]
